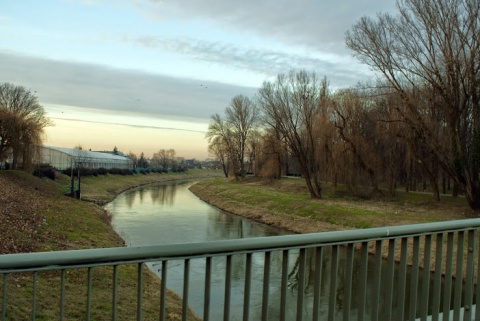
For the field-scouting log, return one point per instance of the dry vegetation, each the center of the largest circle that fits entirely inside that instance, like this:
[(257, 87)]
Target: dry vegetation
[(36, 216)]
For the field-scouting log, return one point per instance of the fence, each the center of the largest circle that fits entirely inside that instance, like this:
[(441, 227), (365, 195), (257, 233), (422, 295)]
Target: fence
[(391, 273)]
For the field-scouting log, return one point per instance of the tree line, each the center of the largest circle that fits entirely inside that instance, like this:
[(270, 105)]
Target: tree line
[(163, 160), (418, 124)]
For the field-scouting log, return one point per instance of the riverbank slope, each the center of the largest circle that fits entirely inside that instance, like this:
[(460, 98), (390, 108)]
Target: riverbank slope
[(285, 203), (35, 216)]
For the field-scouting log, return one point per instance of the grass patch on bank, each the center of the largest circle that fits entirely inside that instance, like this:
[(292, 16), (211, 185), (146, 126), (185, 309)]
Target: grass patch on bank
[(289, 196), (36, 216)]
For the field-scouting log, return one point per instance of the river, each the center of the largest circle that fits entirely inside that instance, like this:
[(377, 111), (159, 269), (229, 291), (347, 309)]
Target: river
[(168, 213)]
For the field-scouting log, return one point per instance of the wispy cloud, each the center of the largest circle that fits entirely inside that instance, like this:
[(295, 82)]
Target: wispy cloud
[(268, 62), (129, 125), (100, 87)]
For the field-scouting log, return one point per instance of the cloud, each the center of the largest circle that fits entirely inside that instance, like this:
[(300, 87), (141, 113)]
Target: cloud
[(100, 87), (320, 25), (131, 125), (342, 72)]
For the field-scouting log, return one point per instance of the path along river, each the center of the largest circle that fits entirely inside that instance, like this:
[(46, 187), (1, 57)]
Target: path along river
[(168, 213)]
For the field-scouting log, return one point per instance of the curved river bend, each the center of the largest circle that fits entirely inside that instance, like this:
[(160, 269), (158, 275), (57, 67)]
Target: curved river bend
[(168, 213)]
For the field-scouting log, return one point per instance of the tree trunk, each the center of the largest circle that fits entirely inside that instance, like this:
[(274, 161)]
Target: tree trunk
[(455, 189)]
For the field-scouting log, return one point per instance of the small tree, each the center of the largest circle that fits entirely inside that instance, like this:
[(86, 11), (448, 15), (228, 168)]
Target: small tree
[(142, 162), (22, 120)]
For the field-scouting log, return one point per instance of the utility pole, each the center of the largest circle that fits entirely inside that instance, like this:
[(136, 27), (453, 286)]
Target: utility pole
[(72, 179), (78, 173)]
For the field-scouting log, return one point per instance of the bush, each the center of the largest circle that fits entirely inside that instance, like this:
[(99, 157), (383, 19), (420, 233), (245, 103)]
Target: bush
[(46, 171), (84, 172)]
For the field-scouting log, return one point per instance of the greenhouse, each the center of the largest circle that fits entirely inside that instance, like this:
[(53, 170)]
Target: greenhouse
[(62, 158)]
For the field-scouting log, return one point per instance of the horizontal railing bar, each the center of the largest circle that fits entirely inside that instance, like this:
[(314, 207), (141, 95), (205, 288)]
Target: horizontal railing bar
[(123, 255)]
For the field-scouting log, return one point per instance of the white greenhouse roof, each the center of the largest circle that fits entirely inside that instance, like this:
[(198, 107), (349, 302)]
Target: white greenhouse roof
[(88, 154)]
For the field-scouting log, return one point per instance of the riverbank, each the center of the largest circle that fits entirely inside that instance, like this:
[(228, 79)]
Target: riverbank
[(286, 204), (35, 216)]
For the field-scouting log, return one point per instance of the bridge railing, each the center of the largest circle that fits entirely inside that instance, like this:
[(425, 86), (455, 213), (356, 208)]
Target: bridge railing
[(391, 273)]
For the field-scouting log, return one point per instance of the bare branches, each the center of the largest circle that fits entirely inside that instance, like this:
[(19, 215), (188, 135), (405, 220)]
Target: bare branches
[(292, 106), (229, 136), (430, 54), (22, 120)]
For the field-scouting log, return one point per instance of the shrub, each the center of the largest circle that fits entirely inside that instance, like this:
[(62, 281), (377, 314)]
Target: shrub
[(45, 171)]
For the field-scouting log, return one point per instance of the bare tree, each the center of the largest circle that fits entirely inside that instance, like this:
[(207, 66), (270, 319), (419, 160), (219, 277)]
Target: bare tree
[(22, 120), (355, 122), (133, 157), (232, 132), (271, 156), (432, 46), (164, 158), (291, 106), (241, 117), (219, 133), (218, 149)]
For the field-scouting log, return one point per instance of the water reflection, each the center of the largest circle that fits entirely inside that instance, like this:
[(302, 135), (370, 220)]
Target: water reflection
[(170, 214)]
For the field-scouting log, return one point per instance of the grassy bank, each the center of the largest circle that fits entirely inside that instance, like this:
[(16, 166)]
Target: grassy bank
[(35, 216), (286, 203)]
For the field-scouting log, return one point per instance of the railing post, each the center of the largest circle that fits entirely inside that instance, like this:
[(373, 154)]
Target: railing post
[(318, 282), (206, 296), (247, 288), (402, 278), (34, 303), (348, 283), (389, 279), (362, 288), (457, 299), (228, 285), (470, 277), (266, 285), (62, 295), (333, 283), (447, 289), (115, 293), (437, 283), (163, 291), (301, 284), (139, 290), (89, 291), (376, 280), (4, 299), (414, 279), (186, 283), (426, 277)]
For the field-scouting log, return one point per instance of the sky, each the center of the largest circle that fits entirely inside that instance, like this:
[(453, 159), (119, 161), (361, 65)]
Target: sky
[(145, 75)]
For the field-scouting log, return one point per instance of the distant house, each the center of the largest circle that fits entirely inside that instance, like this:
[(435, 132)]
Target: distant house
[(62, 158)]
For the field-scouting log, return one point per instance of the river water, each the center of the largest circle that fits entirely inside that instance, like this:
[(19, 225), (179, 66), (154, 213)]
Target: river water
[(168, 213)]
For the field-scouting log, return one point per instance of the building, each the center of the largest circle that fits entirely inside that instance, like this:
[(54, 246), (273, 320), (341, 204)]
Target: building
[(62, 158)]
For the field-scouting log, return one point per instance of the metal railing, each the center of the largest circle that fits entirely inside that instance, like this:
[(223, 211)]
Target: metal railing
[(422, 271)]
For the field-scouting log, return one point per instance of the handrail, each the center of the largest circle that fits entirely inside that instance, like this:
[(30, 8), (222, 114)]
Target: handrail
[(57, 260)]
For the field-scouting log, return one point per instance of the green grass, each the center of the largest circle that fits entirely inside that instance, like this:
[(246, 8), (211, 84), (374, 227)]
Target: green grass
[(70, 224), (290, 196)]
